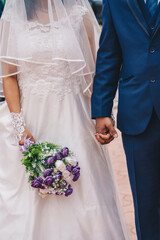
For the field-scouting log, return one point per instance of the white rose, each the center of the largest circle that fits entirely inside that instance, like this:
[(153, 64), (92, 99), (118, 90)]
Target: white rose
[(71, 160), (60, 165), (46, 191), (66, 174)]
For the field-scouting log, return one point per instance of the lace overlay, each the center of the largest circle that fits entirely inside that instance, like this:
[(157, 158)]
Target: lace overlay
[(18, 125), (44, 79)]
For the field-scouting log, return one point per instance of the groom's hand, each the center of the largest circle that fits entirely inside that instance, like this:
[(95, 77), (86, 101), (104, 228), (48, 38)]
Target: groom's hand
[(105, 131)]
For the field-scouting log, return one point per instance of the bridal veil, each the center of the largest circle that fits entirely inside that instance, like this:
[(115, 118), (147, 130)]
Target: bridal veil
[(80, 46)]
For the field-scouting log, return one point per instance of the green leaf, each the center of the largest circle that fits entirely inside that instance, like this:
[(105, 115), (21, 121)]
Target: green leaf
[(31, 178)]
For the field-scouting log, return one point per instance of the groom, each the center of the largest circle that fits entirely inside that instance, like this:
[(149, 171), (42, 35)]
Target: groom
[(129, 59)]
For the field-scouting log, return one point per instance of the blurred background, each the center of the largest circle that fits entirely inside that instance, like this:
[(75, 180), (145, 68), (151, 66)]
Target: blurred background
[(1, 6), (97, 8)]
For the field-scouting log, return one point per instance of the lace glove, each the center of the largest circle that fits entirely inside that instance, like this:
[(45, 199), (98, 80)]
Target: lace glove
[(18, 125)]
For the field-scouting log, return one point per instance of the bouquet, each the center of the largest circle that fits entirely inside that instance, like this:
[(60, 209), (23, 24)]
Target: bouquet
[(50, 168)]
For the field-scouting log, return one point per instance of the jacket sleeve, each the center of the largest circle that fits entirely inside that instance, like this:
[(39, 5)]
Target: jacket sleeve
[(109, 60)]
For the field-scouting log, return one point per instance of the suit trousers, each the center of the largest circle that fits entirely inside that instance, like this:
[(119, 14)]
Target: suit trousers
[(143, 161)]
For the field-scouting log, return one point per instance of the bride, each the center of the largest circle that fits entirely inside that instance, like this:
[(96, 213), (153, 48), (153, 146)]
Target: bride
[(48, 51)]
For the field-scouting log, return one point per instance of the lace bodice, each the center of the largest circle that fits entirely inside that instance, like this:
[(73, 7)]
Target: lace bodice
[(43, 79)]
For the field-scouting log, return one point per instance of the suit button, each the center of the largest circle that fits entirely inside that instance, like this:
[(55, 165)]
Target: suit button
[(153, 80), (152, 27), (152, 50)]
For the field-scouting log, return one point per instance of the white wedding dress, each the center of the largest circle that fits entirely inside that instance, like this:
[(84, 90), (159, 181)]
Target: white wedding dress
[(56, 110)]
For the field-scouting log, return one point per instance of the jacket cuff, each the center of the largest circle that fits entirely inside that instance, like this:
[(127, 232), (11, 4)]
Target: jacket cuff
[(104, 113)]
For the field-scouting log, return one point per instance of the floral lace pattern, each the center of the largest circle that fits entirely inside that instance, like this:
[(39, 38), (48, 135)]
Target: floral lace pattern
[(76, 16), (18, 125), (42, 79)]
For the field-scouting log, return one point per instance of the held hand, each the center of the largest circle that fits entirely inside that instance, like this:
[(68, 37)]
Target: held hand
[(105, 131), (28, 134)]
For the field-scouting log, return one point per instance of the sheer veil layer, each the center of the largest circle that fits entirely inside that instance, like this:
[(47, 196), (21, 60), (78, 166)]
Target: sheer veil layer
[(16, 43)]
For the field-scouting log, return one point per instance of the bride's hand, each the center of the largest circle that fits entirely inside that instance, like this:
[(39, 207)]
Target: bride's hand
[(28, 134)]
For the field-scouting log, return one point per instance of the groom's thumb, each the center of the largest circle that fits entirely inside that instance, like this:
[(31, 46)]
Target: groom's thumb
[(112, 131)]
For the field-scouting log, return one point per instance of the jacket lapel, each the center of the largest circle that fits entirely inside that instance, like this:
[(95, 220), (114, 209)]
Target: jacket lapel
[(157, 24), (136, 11)]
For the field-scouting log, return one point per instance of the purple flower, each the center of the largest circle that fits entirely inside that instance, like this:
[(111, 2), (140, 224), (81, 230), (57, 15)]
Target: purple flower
[(57, 193), (45, 163), (49, 180), (23, 148), (76, 177), (37, 182), (58, 156), (40, 179), (26, 145), (47, 172), (65, 152), (68, 192), (76, 170), (59, 174), (76, 164), (69, 168), (51, 161)]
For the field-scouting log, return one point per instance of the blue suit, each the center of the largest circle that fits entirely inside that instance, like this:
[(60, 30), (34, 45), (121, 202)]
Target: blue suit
[(129, 56), (129, 59)]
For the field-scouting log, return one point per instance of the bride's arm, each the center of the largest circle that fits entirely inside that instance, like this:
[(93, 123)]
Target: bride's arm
[(91, 37), (11, 91), (12, 96), (90, 33)]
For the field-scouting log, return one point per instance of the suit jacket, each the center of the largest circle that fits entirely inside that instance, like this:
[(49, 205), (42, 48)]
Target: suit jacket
[(128, 58)]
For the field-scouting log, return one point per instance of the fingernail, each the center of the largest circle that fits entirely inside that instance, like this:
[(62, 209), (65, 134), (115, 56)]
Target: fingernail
[(115, 135)]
